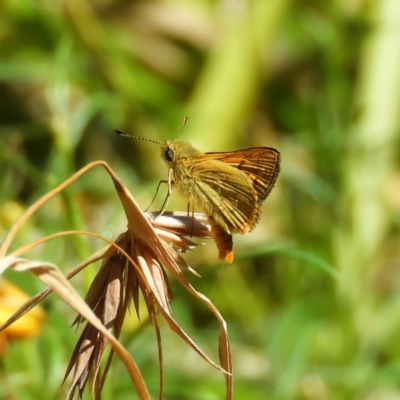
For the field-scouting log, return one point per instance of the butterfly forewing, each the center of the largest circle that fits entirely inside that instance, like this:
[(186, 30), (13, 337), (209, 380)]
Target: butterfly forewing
[(261, 164)]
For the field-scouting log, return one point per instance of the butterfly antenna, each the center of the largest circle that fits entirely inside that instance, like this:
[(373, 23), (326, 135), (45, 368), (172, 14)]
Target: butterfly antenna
[(185, 120), (122, 133)]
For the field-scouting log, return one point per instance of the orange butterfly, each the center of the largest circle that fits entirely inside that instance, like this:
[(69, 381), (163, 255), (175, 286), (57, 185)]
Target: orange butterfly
[(229, 186)]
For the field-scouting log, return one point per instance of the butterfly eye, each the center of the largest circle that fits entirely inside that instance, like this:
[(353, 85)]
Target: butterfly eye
[(169, 154)]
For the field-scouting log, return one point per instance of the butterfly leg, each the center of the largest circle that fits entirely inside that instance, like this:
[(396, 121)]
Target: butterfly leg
[(166, 201), (190, 209), (157, 190)]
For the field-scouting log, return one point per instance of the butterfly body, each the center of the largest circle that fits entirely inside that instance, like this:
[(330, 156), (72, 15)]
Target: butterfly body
[(229, 186)]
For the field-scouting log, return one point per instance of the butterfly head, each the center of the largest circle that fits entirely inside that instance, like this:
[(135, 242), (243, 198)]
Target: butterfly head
[(174, 150)]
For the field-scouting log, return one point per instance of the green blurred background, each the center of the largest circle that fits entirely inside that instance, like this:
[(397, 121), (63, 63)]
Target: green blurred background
[(312, 300)]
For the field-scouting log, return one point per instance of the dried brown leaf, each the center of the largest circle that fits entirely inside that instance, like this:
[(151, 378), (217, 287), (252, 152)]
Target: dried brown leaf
[(53, 277), (138, 260)]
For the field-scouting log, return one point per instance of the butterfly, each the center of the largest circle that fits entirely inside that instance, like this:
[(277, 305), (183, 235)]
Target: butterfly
[(229, 186)]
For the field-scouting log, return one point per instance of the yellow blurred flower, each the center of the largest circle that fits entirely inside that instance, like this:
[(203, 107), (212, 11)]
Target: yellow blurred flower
[(11, 298)]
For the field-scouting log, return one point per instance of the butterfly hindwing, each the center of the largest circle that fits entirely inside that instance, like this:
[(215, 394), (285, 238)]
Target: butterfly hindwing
[(229, 197)]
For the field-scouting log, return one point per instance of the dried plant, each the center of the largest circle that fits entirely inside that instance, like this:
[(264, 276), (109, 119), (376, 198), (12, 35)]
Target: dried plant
[(137, 261)]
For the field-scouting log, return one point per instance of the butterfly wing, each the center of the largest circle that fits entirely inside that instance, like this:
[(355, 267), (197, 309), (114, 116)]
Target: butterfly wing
[(261, 164), (231, 186), (225, 194)]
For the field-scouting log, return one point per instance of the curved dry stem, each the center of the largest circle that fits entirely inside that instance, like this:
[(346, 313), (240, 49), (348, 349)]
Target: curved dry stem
[(28, 305), (38, 242), (38, 297), (35, 206)]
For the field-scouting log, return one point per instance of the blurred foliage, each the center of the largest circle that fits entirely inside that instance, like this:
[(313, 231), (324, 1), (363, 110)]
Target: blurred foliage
[(313, 299)]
